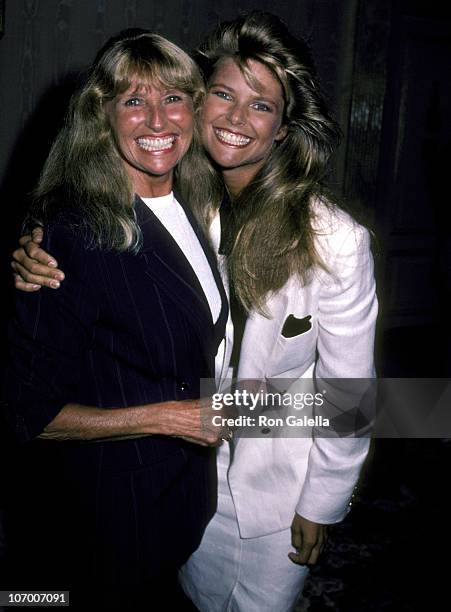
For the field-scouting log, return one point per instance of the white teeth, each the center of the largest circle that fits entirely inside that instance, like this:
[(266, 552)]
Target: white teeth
[(156, 144), (233, 139)]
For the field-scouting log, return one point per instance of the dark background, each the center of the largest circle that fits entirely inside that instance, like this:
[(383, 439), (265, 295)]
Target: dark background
[(384, 66)]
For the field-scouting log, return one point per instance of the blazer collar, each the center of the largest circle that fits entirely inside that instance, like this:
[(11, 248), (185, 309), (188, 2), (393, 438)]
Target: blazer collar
[(168, 266), (220, 325)]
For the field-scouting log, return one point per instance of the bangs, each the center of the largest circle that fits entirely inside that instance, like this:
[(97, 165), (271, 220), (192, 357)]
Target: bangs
[(156, 67), (245, 69), (269, 62)]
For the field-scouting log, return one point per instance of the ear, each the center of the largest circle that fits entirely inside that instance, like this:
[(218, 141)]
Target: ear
[(282, 132)]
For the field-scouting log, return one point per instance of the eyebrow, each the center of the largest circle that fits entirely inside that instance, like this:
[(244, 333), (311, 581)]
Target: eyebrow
[(258, 96), (219, 84), (143, 88)]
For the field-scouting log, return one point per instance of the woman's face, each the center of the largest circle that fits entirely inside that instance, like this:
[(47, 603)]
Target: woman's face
[(153, 129), (240, 124)]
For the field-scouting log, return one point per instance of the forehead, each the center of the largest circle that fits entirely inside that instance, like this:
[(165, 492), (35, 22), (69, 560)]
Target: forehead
[(251, 74), (146, 87)]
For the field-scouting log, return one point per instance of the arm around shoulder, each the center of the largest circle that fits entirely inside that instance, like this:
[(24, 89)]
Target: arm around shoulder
[(33, 267)]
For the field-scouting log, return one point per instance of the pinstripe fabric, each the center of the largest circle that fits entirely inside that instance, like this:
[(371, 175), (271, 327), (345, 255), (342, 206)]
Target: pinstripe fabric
[(123, 330)]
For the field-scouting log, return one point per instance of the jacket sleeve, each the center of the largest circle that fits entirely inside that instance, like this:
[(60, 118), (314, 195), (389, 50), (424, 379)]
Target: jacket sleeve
[(49, 338), (347, 318)]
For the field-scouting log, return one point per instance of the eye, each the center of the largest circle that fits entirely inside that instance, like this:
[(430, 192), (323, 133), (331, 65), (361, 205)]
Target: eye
[(261, 106), (173, 98), (221, 94), (133, 101)]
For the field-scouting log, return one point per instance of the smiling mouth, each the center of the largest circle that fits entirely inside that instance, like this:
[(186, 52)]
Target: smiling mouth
[(230, 138), (156, 143)]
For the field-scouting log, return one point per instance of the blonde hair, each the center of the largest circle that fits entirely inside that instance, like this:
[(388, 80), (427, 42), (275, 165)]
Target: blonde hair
[(84, 171), (272, 236)]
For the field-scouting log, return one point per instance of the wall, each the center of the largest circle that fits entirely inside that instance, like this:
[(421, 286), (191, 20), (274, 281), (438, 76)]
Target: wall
[(46, 43)]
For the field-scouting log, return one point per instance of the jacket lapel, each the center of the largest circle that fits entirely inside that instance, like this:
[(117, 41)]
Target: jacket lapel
[(167, 265), (220, 324)]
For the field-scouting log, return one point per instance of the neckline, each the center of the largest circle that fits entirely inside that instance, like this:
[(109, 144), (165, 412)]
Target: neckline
[(159, 201)]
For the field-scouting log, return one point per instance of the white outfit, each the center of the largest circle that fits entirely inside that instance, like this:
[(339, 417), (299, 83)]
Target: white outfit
[(270, 479), (225, 572)]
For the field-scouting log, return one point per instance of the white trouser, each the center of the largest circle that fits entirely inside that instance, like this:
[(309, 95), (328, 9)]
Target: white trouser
[(228, 573)]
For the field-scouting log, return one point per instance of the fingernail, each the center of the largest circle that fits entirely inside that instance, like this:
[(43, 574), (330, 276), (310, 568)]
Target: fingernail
[(54, 284), (59, 276), (35, 286), (51, 263)]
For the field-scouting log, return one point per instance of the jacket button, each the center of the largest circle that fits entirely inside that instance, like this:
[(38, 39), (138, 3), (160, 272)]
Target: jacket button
[(183, 386), (266, 430)]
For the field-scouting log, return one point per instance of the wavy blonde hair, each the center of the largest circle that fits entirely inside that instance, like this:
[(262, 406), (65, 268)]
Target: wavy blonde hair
[(272, 236), (84, 171)]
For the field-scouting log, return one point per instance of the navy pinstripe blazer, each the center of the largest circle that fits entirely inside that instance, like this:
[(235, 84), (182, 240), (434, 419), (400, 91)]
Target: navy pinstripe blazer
[(122, 330)]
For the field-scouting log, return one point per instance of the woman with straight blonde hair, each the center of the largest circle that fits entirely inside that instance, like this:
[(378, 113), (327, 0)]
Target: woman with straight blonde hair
[(102, 381)]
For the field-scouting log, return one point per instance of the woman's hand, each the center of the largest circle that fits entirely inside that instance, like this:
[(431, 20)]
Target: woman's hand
[(33, 267), (192, 420), (308, 538)]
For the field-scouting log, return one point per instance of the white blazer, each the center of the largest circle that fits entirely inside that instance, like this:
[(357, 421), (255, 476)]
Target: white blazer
[(272, 478)]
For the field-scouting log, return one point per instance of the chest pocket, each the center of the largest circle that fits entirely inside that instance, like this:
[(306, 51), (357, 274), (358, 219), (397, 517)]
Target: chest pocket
[(295, 327)]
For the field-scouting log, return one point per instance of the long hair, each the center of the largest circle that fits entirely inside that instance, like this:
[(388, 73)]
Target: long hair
[(272, 216), (84, 172)]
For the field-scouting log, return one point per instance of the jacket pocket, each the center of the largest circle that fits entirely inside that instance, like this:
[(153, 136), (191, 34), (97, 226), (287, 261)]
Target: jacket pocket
[(295, 327)]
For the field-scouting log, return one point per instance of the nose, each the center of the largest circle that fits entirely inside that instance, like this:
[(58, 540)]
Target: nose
[(156, 117), (237, 114)]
